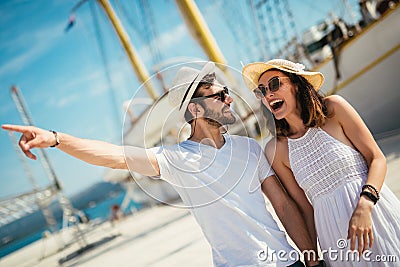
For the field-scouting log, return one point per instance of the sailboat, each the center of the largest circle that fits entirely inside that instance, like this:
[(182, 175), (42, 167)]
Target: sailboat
[(361, 67), (358, 61), (364, 72)]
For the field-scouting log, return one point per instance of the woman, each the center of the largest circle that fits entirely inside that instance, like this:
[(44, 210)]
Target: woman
[(324, 154)]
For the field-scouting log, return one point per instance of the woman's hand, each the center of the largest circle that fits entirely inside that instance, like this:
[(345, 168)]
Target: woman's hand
[(360, 226), (32, 137)]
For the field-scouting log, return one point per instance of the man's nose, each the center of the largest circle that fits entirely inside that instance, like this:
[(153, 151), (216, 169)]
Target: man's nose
[(228, 99)]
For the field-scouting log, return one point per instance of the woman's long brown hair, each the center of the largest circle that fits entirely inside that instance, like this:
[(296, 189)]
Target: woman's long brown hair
[(313, 108)]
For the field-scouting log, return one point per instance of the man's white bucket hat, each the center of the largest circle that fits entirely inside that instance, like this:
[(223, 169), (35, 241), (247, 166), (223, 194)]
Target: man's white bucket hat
[(185, 83)]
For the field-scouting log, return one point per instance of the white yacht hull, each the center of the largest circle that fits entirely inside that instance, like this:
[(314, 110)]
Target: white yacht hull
[(369, 68)]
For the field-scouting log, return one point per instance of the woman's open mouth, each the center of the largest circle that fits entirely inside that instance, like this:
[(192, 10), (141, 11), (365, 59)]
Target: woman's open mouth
[(276, 104)]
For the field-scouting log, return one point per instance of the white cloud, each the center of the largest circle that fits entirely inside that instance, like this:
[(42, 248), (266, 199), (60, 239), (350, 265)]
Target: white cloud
[(63, 101), (93, 82), (171, 38), (97, 80), (165, 41), (94, 77), (37, 42)]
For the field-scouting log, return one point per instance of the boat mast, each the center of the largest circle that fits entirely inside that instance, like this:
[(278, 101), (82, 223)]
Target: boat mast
[(134, 59), (194, 21), (353, 17), (199, 29)]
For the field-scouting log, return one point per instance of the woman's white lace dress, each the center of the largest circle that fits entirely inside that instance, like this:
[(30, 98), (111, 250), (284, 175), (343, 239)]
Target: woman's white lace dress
[(332, 174)]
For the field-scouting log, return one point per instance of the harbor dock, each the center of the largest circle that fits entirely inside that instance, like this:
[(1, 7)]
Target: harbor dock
[(158, 236)]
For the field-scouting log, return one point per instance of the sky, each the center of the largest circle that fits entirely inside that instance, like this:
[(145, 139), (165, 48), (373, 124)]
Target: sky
[(77, 81)]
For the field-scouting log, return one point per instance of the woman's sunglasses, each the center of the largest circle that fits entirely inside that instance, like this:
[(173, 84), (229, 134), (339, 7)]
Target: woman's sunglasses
[(273, 85), (221, 95)]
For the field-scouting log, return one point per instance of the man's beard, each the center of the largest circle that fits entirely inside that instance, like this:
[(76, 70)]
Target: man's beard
[(217, 118)]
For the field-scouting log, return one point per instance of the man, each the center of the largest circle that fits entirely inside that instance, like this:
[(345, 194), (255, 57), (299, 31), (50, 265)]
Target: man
[(218, 176)]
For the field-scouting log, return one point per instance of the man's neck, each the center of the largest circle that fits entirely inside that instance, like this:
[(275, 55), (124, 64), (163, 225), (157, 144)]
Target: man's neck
[(207, 134)]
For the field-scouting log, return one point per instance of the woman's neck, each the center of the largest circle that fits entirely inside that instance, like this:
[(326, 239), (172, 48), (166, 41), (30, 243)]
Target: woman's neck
[(296, 126)]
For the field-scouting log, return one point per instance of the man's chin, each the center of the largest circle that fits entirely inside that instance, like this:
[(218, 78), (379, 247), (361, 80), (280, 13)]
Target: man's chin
[(232, 120), (213, 122), (223, 121)]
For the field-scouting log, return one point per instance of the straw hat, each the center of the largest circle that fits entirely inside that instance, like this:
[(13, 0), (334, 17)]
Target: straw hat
[(251, 72), (184, 85)]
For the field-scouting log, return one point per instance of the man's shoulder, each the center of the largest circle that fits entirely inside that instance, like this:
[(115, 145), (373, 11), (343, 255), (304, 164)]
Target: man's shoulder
[(241, 138), (244, 140), (165, 147)]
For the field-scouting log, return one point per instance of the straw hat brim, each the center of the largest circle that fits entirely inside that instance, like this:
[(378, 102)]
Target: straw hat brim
[(185, 98), (251, 74)]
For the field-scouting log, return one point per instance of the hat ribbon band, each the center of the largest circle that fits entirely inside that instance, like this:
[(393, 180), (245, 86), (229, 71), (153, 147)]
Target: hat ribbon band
[(187, 91)]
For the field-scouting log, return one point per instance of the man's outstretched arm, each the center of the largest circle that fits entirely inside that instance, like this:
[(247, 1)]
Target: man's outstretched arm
[(91, 151)]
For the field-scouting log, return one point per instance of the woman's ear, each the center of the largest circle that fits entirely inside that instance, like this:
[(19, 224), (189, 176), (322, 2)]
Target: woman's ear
[(295, 86)]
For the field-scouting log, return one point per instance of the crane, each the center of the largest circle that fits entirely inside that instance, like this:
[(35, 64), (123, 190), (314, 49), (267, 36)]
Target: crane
[(69, 213)]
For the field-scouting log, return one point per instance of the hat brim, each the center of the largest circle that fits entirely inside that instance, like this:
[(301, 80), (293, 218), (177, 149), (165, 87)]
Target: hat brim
[(208, 68), (251, 74)]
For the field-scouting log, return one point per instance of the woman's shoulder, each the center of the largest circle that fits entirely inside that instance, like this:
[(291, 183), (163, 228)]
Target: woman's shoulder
[(276, 142), (338, 107), (335, 101), (277, 148)]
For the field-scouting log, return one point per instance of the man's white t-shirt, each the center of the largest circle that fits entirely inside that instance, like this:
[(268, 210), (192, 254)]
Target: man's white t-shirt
[(222, 188)]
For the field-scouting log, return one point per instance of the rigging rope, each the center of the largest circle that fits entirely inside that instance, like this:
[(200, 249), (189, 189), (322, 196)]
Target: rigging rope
[(133, 24), (143, 25), (151, 36), (259, 33), (105, 61), (241, 41), (279, 35)]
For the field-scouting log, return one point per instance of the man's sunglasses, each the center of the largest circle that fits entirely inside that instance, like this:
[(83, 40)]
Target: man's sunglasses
[(273, 85), (221, 95)]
